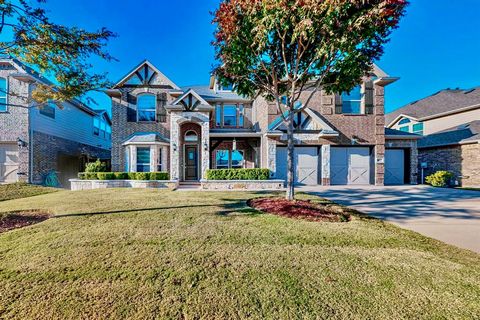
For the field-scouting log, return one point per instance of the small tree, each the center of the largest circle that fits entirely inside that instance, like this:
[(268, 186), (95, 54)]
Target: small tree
[(280, 49), (59, 51)]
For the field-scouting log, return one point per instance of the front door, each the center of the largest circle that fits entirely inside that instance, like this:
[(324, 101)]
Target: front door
[(191, 163)]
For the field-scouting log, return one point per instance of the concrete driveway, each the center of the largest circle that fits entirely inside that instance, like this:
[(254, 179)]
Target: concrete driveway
[(449, 215)]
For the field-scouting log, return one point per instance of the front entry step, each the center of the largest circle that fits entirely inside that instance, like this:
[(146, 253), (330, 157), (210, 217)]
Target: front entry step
[(189, 185)]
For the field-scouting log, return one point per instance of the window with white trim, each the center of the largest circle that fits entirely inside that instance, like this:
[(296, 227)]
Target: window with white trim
[(159, 160), (226, 159), (3, 94), (230, 115), (352, 101), (191, 136), (48, 110), (418, 128), (222, 159), (143, 159), (146, 107)]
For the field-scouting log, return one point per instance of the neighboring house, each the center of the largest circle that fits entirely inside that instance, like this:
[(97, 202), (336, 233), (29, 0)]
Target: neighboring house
[(440, 111), (340, 139), (449, 120), (36, 140)]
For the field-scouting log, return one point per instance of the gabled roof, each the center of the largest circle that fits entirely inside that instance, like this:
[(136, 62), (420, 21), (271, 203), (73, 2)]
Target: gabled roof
[(139, 67), (325, 128), (105, 114), (442, 103), (463, 134), (146, 138), (190, 101), (397, 134), (211, 95)]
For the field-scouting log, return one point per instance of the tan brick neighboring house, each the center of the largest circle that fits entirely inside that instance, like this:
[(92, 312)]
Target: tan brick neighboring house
[(36, 141), (449, 121), (340, 139)]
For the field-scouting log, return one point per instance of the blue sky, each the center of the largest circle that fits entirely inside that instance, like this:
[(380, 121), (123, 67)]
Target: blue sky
[(437, 45)]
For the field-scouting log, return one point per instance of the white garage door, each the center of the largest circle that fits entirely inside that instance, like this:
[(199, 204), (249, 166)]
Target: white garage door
[(8, 163), (305, 162), (350, 165), (394, 166)]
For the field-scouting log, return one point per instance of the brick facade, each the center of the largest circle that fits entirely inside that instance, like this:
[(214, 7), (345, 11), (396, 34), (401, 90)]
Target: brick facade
[(462, 160)]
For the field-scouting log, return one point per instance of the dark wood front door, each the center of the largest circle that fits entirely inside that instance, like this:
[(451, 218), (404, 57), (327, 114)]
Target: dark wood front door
[(191, 163)]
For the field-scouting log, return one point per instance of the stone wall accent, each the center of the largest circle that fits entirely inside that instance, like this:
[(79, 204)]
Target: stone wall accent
[(78, 185), (235, 185), (272, 156), (15, 122), (47, 149), (411, 146), (325, 154), (462, 160)]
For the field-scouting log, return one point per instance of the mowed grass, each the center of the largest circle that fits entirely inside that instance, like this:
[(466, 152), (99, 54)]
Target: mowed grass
[(22, 190), (144, 254)]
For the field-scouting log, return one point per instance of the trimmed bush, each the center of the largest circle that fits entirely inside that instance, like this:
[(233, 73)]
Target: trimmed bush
[(238, 174), (91, 176), (142, 176), (159, 176), (81, 176), (121, 175), (440, 179), (132, 175), (106, 176), (96, 166)]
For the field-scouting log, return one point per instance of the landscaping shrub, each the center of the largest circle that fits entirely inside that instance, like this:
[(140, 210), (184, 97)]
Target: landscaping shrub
[(106, 176), (159, 176), (121, 175), (142, 176), (440, 179), (238, 174), (96, 166), (124, 176)]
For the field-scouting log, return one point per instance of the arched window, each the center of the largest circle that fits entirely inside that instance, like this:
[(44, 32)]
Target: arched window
[(146, 107), (3, 94), (191, 136), (404, 121)]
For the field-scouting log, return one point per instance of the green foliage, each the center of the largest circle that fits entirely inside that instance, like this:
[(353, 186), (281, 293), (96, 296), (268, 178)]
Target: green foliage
[(106, 176), (96, 166), (159, 176), (124, 176), (238, 174), (59, 51), (121, 175), (440, 179)]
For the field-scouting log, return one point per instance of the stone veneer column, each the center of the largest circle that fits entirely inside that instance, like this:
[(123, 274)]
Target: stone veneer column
[(174, 147), (325, 164), (379, 103), (205, 151), (413, 163), (164, 158), (272, 157)]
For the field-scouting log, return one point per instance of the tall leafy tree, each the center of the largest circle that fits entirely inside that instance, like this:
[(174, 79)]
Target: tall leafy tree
[(60, 52), (282, 49)]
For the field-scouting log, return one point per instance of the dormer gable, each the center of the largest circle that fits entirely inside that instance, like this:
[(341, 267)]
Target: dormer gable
[(190, 101), (146, 74)]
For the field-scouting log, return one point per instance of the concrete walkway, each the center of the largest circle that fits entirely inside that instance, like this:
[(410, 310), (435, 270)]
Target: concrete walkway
[(449, 215)]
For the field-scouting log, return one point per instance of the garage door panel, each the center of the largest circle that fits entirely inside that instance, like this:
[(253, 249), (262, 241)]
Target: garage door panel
[(305, 161), (8, 163), (394, 166), (350, 165)]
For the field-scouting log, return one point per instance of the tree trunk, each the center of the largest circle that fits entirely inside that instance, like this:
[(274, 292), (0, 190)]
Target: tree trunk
[(290, 165)]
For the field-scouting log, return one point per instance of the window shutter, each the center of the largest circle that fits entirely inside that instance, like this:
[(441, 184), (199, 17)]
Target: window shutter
[(369, 97), (338, 103), (131, 108), (161, 103)]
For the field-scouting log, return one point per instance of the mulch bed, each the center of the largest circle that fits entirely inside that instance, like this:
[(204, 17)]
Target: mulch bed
[(16, 220), (300, 209)]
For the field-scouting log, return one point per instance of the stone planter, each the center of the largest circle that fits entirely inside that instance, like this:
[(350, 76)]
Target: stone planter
[(242, 185), (77, 184)]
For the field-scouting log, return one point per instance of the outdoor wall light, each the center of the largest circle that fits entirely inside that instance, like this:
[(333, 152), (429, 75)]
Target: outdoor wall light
[(21, 143), (174, 147), (205, 146)]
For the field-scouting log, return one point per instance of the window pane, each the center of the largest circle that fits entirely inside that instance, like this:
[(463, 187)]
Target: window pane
[(404, 121), (143, 159), (221, 160), (355, 94), (237, 159), (3, 94), (405, 129), (352, 107), (159, 161), (3, 104), (218, 115), (146, 106), (241, 111), (48, 110), (191, 136), (418, 128), (230, 116)]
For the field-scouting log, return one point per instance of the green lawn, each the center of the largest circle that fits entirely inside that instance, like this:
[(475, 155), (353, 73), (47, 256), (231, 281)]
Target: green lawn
[(22, 190), (146, 254)]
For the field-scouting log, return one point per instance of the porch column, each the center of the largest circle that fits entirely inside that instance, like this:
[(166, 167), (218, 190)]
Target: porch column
[(205, 149), (133, 158), (164, 158), (272, 157), (174, 147), (325, 164)]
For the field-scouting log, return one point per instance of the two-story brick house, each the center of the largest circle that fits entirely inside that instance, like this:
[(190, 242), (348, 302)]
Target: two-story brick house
[(340, 139), (35, 141)]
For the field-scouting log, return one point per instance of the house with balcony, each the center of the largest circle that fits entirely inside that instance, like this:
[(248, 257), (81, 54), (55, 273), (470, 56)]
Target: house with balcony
[(38, 140), (340, 138)]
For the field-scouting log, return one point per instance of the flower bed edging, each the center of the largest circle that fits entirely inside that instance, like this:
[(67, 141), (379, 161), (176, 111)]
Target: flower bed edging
[(77, 184), (224, 185)]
